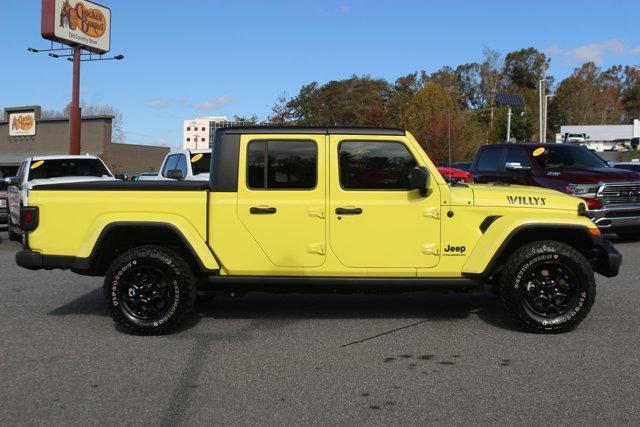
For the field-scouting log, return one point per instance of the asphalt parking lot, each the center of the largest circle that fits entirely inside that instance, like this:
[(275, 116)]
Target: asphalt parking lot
[(304, 359)]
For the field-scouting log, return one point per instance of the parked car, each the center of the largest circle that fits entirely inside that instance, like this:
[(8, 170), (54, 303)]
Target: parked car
[(4, 203), (463, 166), (454, 175), (48, 170), (611, 194), (187, 165), (631, 166), (309, 209)]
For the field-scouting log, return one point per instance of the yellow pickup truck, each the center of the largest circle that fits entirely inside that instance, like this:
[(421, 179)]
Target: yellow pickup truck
[(300, 209)]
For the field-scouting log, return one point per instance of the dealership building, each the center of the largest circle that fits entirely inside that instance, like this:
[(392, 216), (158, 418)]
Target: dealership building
[(24, 133)]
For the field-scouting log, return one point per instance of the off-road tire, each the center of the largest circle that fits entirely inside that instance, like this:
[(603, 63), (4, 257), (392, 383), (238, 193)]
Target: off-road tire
[(629, 236), (546, 255), (173, 284)]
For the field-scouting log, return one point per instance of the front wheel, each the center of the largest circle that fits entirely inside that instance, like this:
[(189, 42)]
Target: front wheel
[(150, 290), (548, 286)]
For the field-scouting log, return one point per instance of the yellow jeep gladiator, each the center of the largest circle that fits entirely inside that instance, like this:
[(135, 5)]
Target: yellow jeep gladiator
[(316, 209)]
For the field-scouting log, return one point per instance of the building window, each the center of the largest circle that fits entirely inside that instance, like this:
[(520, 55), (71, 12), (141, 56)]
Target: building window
[(202, 128), (188, 139), (188, 128), (201, 139)]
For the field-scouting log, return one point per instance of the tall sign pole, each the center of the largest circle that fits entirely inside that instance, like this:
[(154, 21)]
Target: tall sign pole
[(83, 28), (75, 112)]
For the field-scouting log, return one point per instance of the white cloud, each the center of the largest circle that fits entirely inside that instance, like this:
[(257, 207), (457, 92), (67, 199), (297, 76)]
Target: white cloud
[(157, 103), (594, 52), (215, 104)]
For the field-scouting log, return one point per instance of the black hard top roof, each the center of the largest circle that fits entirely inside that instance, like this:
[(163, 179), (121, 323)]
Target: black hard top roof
[(349, 130), (532, 144)]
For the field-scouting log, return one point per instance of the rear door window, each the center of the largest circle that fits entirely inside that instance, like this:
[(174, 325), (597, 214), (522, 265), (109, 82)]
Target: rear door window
[(200, 163), (516, 155), (490, 159)]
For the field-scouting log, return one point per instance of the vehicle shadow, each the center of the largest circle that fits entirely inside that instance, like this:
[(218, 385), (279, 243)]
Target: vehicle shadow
[(290, 307)]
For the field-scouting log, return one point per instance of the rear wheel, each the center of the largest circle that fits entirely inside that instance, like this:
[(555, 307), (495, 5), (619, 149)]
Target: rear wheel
[(548, 287), (150, 290)]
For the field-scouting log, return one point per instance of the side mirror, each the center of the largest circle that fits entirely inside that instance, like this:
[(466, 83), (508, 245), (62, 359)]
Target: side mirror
[(12, 180), (175, 174), (122, 176), (516, 167), (418, 179)]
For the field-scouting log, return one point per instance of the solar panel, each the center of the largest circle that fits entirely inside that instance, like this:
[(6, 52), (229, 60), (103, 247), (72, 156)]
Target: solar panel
[(512, 99)]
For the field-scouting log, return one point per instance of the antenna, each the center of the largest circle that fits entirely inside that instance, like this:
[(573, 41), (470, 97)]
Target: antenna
[(450, 212), (449, 140)]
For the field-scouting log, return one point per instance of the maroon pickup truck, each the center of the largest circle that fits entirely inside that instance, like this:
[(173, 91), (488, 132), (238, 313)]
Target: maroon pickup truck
[(612, 195)]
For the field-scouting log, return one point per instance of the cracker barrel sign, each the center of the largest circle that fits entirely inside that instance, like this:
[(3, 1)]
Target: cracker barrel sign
[(77, 23), (22, 124)]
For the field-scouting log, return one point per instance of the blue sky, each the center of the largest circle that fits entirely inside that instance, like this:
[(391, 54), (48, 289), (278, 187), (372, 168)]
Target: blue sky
[(186, 58)]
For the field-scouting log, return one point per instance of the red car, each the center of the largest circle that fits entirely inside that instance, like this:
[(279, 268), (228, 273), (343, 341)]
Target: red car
[(454, 175)]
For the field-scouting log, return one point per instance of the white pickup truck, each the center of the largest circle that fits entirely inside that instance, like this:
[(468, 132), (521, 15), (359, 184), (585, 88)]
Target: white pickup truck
[(187, 165), (50, 170)]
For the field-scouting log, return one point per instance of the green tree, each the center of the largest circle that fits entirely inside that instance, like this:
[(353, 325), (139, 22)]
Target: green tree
[(524, 68), (589, 96), (338, 102)]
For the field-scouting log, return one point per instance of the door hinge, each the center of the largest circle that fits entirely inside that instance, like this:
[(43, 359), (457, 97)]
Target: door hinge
[(317, 212), (315, 249), (430, 249), (432, 213)]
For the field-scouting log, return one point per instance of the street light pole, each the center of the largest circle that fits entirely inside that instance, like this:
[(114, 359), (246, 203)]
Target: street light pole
[(541, 100), (509, 123), (75, 113), (546, 110)]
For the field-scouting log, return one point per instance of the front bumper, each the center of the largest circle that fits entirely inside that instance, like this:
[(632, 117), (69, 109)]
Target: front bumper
[(613, 218), (605, 258)]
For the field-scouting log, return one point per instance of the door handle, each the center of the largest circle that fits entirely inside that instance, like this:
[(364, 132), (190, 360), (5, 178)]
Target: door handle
[(348, 211), (262, 211)]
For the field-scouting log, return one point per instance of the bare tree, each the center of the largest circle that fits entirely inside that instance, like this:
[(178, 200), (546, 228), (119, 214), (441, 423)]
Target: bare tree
[(117, 130)]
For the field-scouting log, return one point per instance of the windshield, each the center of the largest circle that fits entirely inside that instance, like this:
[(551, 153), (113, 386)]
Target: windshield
[(57, 168), (200, 163), (568, 157)]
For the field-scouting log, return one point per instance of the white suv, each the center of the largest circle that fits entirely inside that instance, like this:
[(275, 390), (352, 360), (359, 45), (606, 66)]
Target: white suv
[(40, 170), (188, 165)]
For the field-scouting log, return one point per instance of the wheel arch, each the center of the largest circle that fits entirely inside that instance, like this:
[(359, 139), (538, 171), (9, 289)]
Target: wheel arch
[(576, 236), (118, 237)]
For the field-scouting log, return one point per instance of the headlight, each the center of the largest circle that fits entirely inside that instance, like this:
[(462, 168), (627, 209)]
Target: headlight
[(582, 190)]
